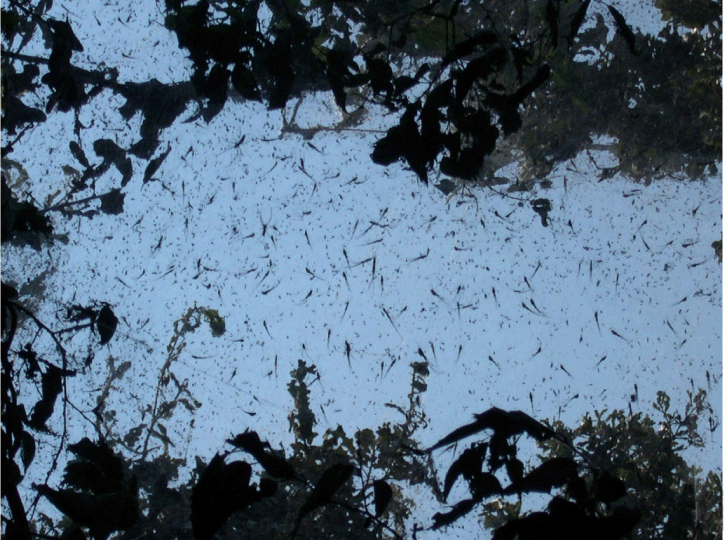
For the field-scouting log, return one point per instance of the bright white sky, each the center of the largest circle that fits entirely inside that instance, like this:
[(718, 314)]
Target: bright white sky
[(506, 287)]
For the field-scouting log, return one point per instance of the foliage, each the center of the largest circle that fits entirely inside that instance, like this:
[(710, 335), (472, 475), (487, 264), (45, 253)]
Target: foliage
[(42, 362), (487, 82), (609, 476), (170, 391), (674, 499), (537, 77), (580, 103)]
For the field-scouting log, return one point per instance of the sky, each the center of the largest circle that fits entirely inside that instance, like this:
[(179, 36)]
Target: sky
[(307, 249)]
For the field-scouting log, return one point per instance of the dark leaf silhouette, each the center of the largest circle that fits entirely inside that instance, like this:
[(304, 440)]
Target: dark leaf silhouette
[(27, 449), (577, 21), (618, 525), (501, 451), (479, 68), (555, 472), (279, 64), (222, 489), (126, 169), (608, 488), (572, 519), (249, 441), (515, 469), (108, 150), (112, 202), (397, 142), (79, 154), (404, 82), (18, 113), (52, 384), (97, 468), (63, 36), (460, 509), (340, 68), (483, 485), (243, 80), (503, 422), (102, 514), (539, 78), (106, 324), (467, 465), (331, 480), (381, 75), (624, 29), (446, 186), (382, 494), (275, 466), (440, 96)]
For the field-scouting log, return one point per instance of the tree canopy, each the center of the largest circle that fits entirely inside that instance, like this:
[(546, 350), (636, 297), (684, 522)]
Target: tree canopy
[(473, 88)]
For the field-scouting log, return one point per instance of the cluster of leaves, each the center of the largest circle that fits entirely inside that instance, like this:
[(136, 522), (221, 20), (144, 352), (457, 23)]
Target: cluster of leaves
[(171, 393), (674, 501), (590, 512), (99, 495), (613, 477), (22, 222), (630, 97), (480, 81), (25, 368)]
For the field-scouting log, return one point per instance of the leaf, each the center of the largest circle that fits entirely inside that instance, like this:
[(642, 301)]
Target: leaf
[(221, 490), (460, 509), (243, 80), (555, 472), (27, 449), (51, 384), (467, 465), (249, 441), (108, 150), (515, 469), (620, 524), (275, 466), (440, 96), (63, 36), (404, 82), (106, 324), (381, 75), (624, 29), (18, 113), (506, 423), (112, 203), (279, 62), (124, 166), (446, 186), (542, 207), (79, 154), (479, 68), (331, 480), (102, 514), (484, 485), (577, 21), (382, 494), (608, 488)]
